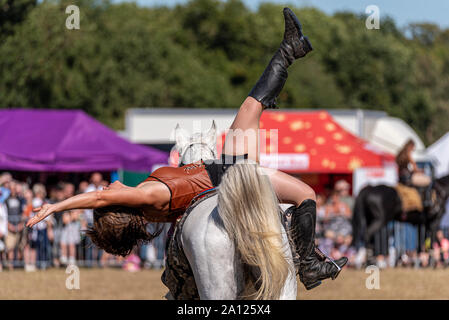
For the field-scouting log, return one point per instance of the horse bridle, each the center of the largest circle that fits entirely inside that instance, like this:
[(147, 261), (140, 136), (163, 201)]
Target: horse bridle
[(214, 152)]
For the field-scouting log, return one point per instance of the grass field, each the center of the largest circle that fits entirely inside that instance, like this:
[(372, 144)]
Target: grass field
[(118, 284)]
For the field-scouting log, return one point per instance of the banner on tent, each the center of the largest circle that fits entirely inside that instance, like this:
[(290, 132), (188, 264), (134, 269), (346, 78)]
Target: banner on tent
[(374, 176), (286, 161)]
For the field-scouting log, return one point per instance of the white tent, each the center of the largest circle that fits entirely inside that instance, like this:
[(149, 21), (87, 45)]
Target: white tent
[(439, 152), (385, 132)]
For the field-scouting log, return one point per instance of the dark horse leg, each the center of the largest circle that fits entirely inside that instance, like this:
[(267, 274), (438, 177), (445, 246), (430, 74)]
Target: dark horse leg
[(377, 218)]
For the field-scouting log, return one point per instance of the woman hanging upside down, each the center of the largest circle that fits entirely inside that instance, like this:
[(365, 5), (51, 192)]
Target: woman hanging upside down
[(121, 212)]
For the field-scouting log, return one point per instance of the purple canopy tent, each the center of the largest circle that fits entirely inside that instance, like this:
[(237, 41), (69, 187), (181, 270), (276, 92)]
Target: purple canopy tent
[(68, 141)]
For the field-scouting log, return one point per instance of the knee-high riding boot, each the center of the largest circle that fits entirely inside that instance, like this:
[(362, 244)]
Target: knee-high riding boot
[(293, 46), (311, 263)]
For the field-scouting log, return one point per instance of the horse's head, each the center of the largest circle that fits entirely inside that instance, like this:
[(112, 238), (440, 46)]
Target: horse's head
[(199, 146)]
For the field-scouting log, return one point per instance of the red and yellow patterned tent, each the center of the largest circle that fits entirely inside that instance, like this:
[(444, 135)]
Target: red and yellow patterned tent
[(313, 142)]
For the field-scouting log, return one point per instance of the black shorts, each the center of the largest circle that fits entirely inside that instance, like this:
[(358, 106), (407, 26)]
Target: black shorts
[(217, 168)]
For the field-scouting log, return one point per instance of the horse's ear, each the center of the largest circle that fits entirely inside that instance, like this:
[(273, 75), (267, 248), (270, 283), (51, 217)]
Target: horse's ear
[(181, 138), (214, 126), (211, 135), (213, 130)]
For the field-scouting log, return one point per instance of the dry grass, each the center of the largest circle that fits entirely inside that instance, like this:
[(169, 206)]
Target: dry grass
[(118, 284), (94, 284), (395, 284)]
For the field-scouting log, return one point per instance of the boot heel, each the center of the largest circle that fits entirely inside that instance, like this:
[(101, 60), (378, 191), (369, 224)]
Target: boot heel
[(313, 285), (336, 275), (307, 45)]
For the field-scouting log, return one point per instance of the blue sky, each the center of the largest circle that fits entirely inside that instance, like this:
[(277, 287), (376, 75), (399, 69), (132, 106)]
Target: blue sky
[(403, 11)]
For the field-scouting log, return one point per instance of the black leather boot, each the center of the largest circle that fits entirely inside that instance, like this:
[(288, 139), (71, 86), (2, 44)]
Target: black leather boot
[(311, 262), (293, 46)]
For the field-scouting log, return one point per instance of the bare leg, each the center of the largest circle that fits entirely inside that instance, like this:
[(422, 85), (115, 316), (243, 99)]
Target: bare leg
[(11, 259), (72, 253), (243, 137), (63, 253), (26, 255), (33, 257), (289, 189)]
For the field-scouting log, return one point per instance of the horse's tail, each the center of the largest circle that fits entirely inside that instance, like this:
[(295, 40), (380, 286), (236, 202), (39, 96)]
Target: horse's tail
[(250, 212)]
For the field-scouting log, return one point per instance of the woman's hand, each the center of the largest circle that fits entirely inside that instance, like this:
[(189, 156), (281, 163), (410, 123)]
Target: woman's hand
[(42, 213), (114, 186)]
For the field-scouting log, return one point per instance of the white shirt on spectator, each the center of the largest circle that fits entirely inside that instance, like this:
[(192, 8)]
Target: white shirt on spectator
[(42, 225), (89, 213), (3, 219)]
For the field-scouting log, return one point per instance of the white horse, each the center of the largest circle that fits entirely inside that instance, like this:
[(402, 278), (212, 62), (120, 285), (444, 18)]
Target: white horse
[(216, 241)]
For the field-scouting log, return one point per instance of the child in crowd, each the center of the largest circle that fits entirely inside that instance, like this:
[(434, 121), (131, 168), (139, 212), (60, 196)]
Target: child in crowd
[(40, 231), (342, 247), (30, 235), (70, 236), (441, 250)]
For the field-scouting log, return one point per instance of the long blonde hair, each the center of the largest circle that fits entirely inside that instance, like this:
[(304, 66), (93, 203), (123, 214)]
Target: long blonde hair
[(249, 209)]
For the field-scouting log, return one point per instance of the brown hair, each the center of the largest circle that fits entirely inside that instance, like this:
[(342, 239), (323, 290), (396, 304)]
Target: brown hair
[(402, 159), (117, 229)]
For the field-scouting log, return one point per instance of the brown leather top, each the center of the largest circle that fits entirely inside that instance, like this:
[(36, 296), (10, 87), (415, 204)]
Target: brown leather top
[(184, 184)]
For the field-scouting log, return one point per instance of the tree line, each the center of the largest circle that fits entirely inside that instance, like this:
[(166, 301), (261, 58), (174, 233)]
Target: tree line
[(209, 53)]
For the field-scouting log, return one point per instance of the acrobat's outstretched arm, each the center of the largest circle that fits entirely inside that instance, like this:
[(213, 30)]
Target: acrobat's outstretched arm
[(131, 197)]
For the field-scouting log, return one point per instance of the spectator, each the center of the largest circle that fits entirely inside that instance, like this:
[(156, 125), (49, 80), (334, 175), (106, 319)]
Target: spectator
[(5, 180), (14, 205), (343, 247), (444, 224), (34, 245), (441, 250), (3, 232), (30, 235), (342, 188), (92, 252), (96, 184), (104, 183), (55, 224), (68, 190), (42, 237), (320, 215), (326, 244), (82, 187), (153, 253), (70, 236), (338, 215)]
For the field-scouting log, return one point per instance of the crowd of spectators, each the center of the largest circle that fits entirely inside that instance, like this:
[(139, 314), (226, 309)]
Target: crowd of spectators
[(58, 240), (396, 244), (334, 227)]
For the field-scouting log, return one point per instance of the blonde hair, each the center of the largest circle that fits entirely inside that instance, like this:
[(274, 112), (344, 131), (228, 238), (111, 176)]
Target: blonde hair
[(249, 209), (39, 188)]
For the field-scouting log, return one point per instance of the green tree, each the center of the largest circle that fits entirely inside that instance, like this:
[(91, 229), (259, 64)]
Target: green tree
[(209, 53), (13, 12)]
